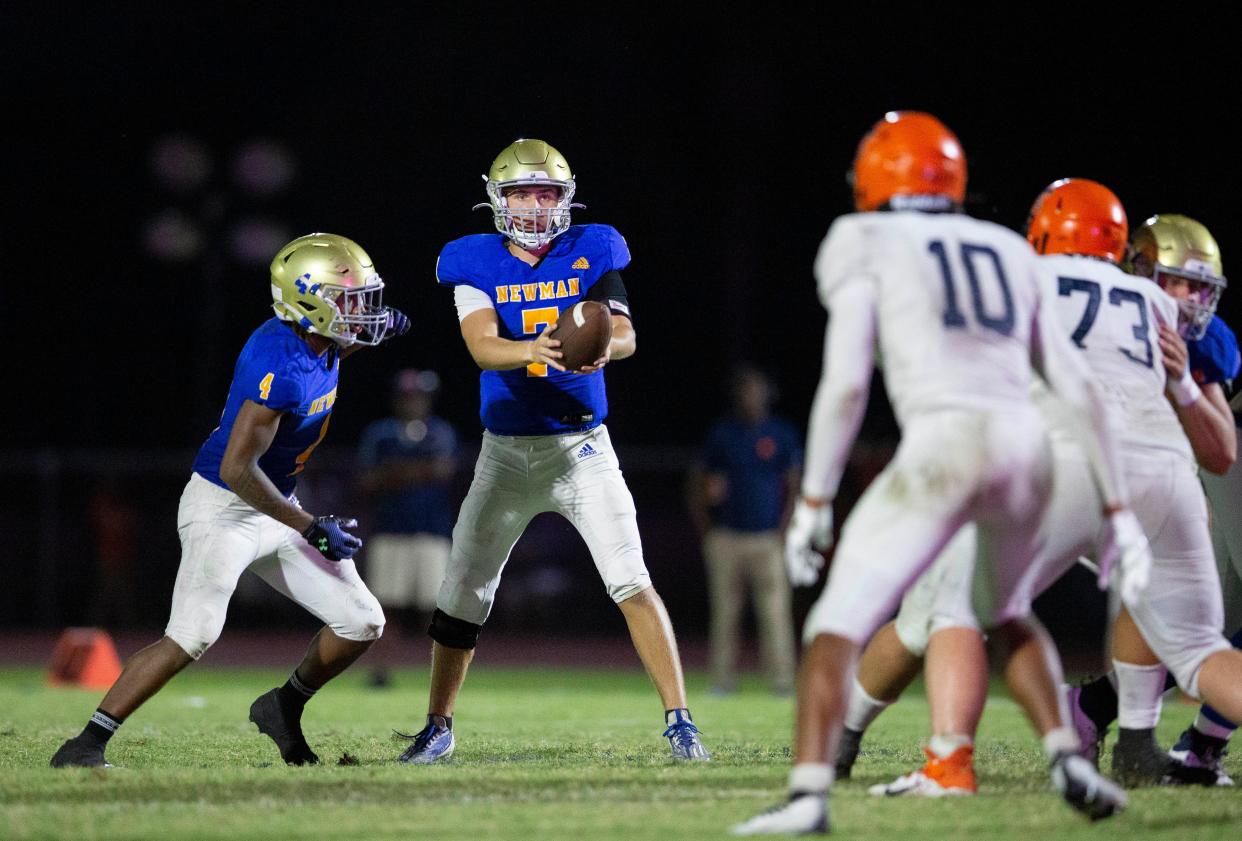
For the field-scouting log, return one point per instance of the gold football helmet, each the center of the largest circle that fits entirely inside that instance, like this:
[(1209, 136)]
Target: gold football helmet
[(1174, 249), (327, 285), (532, 163)]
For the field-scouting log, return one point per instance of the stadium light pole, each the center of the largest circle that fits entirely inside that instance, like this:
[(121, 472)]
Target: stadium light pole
[(201, 230)]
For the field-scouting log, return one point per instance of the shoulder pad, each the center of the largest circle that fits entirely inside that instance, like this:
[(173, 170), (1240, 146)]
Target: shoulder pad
[(459, 259), (845, 253)]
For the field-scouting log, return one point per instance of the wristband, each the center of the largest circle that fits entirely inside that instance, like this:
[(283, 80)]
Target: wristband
[(1185, 391)]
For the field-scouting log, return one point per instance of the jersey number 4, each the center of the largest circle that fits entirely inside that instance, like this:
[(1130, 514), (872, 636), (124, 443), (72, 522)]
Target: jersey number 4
[(980, 262), (1116, 297)]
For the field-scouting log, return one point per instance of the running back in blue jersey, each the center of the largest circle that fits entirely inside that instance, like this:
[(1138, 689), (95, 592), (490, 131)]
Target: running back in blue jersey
[(278, 370), (536, 400), (1214, 358)]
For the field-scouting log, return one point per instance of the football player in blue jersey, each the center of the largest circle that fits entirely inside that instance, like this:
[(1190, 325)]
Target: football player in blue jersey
[(544, 444), (238, 510), (1201, 360)]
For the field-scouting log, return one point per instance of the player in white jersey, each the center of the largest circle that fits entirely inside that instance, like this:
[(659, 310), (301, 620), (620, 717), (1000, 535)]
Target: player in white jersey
[(1200, 357), (956, 308), (1114, 318)]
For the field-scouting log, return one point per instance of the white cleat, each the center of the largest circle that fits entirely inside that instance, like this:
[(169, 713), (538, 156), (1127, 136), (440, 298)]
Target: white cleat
[(916, 784), (803, 814), (1210, 762), (1082, 787)]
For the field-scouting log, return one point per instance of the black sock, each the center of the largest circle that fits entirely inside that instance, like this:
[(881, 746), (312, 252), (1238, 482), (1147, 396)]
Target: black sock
[(1145, 736), (1098, 700), (677, 716), (1200, 741), (102, 727), (445, 721), (294, 694)]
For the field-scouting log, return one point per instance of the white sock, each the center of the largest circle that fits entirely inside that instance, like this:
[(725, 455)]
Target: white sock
[(863, 709), (1140, 691), (810, 776), (1060, 740), (1208, 727), (943, 744)]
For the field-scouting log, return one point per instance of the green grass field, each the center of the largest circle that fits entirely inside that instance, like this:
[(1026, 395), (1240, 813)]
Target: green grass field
[(541, 755)]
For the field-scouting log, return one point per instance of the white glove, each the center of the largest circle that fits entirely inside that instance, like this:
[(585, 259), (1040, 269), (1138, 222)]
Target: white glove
[(810, 529), (1123, 542)]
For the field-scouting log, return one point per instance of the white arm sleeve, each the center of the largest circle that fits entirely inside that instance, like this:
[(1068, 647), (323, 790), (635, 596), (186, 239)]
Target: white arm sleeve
[(841, 399), (468, 300), (1087, 413)]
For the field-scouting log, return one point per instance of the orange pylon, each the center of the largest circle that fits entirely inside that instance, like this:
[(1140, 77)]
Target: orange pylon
[(85, 658)]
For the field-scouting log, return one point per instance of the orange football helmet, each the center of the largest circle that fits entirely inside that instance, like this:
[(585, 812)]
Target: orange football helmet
[(1078, 216), (909, 154)]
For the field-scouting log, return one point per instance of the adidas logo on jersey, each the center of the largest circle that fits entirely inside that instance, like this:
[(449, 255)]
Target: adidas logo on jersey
[(581, 263), (587, 450)]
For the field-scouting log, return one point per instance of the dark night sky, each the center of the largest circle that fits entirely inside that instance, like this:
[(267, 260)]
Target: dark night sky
[(718, 147)]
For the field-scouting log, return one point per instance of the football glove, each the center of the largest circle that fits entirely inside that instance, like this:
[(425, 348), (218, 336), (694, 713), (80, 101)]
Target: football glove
[(398, 324), (329, 536), (1124, 543), (810, 529)]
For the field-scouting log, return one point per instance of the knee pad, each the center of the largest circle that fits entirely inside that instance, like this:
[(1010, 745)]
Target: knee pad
[(453, 633), (195, 634), (914, 633), (1185, 670), (367, 623), (360, 621)]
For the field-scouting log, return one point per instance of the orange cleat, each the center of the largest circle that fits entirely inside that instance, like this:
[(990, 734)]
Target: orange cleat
[(954, 775)]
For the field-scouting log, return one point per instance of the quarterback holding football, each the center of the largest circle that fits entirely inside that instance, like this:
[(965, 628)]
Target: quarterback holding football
[(545, 447)]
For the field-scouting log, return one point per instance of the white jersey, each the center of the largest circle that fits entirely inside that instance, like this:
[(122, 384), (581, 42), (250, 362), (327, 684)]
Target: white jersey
[(956, 302), (1113, 318)]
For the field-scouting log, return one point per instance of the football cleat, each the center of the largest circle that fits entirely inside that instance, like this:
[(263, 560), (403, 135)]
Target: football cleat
[(1089, 736), (805, 813), (952, 776), (80, 752), (1142, 763), (1082, 787), (433, 743), (1195, 750), (683, 738), (847, 753), (270, 717)]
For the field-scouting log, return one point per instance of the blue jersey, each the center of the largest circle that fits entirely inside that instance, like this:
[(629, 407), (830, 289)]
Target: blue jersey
[(755, 460), (277, 369), (419, 509), (1214, 358), (536, 400)]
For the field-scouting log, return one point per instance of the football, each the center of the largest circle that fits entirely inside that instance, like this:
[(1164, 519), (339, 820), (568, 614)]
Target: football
[(584, 331)]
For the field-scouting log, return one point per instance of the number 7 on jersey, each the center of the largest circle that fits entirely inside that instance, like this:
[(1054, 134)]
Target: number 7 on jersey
[(534, 320)]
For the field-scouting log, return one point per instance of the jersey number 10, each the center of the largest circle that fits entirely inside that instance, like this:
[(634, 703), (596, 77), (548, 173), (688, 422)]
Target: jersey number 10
[(973, 258)]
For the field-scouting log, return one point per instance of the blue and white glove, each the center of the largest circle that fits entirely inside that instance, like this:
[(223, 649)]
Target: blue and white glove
[(328, 535), (398, 324), (810, 529), (1124, 543)]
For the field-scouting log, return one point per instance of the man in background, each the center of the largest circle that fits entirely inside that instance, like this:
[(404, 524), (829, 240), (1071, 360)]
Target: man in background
[(740, 496), (408, 461)]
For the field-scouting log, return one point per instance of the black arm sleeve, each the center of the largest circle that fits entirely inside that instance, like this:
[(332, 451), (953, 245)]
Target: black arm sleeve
[(610, 291)]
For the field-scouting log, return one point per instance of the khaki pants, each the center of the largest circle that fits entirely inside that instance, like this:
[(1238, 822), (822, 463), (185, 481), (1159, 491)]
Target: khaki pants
[(735, 561)]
